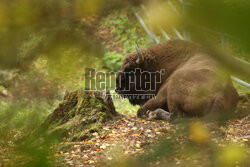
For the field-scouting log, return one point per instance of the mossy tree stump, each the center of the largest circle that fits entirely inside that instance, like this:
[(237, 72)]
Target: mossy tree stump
[(81, 113)]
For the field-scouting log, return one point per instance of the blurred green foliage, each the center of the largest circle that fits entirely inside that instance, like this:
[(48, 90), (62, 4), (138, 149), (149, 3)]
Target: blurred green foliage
[(23, 121), (125, 32), (112, 61), (225, 16), (49, 43)]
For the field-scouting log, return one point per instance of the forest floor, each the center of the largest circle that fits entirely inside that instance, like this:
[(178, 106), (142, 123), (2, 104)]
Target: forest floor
[(131, 137), (128, 138)]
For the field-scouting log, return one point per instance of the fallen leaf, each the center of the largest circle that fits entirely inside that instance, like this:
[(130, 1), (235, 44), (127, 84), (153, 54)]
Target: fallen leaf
[(138, 145)]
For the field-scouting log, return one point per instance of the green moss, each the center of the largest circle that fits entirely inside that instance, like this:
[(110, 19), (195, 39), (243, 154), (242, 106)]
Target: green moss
[(96, 127), (80, 114), (86, 131), (60, 130)]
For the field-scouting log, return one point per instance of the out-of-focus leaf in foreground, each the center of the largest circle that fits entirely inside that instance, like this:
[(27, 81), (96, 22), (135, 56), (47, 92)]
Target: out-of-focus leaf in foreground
[(226, 16)]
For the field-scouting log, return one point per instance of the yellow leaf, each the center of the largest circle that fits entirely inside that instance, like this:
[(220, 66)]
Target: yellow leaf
[(198, 132), (90, 141), (157, 9), (87, 7), (231, 130), (230, 155), (136, 134)]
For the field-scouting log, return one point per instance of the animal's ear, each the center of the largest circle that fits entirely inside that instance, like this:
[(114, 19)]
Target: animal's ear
[(140, 57)]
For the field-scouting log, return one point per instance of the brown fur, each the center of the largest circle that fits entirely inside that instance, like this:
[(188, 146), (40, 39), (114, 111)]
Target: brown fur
[(193, 83)]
